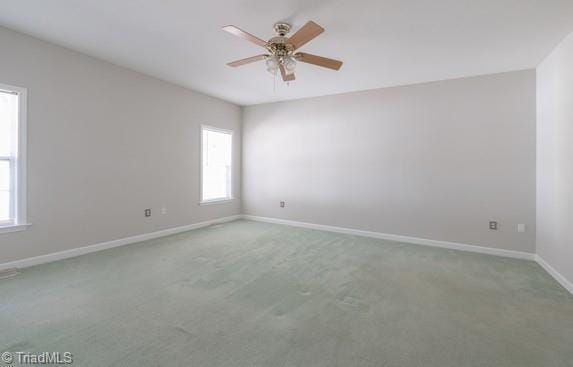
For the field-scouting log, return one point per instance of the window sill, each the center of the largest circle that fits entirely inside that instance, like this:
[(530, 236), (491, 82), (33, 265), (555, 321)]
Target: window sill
[(14, 228), (216, 201)]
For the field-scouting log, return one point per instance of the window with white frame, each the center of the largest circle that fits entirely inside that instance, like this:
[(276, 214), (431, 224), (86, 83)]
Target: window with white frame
[(12, 153), (216, 164)]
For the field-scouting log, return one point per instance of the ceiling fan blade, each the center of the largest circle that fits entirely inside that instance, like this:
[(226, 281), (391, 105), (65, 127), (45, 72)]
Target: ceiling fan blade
[(286, 77), (248, 60), (318, 60), (244, 35), (308, 32)]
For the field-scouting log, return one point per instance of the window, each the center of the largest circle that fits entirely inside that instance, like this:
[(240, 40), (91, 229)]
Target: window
[(216, 164), (12, 157)]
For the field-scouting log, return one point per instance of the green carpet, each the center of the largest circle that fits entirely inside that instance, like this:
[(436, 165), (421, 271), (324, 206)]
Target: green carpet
[(248, 294)]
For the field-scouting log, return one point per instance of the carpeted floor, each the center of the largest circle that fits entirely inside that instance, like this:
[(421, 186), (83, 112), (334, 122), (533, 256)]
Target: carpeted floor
[(247, 294)]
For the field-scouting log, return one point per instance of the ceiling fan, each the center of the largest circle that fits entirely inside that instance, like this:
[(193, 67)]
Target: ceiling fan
[(281, 49)]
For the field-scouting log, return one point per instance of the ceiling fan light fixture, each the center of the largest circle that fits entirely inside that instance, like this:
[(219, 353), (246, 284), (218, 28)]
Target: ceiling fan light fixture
[(290, 64), (272, 64)]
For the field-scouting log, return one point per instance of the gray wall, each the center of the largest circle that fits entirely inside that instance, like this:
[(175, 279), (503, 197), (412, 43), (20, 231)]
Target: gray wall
[(436, 160), (105, 143), (555, 159)]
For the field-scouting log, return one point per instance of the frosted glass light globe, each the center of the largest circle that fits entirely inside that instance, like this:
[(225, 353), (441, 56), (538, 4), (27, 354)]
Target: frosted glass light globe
[(290, 64), (272, 65)]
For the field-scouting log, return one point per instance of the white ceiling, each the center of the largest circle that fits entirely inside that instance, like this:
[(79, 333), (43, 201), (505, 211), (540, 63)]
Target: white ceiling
[(382, 42)]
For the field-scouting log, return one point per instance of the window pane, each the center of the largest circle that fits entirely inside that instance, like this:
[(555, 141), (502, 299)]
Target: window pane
[(4, 175), (8, 123), (216, 161), (4, 206), (214, 183), (4, 191)]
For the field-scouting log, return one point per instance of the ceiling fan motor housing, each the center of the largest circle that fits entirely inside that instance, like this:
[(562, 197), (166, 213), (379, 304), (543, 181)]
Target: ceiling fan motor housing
[(279, 46)]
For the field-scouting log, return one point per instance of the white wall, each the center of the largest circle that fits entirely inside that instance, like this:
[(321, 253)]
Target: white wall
[(435, 161), (104, 144), (555, 159)]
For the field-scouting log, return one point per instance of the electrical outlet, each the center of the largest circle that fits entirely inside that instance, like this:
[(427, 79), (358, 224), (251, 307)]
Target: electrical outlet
[(147, 212), (521, 228), (282, 204), (163, 210), (493, 225)]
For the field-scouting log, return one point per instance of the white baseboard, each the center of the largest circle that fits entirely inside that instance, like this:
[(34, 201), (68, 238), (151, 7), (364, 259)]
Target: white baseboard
[(426, 242), (554, 273), (37, 260), (399, 238)]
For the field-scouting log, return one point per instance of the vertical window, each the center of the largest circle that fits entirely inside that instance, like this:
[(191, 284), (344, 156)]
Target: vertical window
[(12, 162), (216, 164)]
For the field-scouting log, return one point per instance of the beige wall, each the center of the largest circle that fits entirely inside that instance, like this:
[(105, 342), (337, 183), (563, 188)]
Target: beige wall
[(435, 161), (105, 143), (555, 159)]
